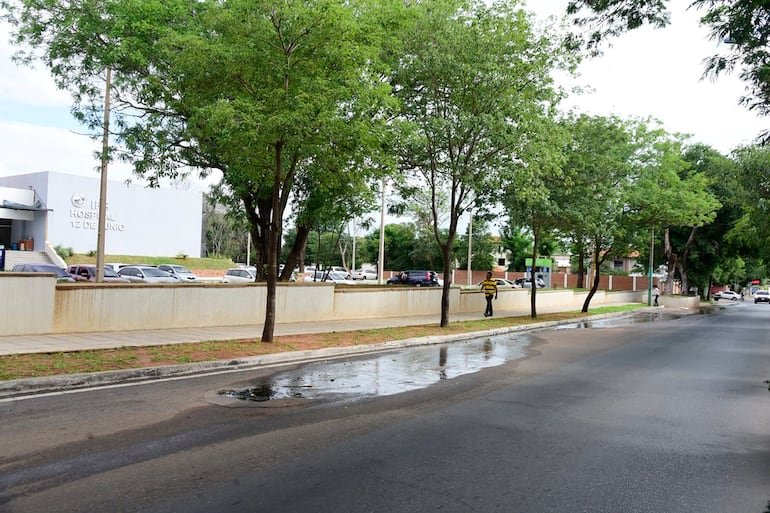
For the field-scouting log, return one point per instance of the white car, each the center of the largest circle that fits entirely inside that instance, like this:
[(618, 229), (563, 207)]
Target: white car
[(364, 274), (727, 294), (341, 270), (240, 275), (330, 277)]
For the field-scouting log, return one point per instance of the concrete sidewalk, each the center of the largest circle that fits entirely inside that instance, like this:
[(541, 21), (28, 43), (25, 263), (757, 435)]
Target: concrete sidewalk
[(20, 344)]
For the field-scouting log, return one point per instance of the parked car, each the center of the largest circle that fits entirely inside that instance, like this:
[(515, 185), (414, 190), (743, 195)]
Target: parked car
[(61, 274), (114, 266), (526, 283), (416, 278), (364, 274), (87, 272), (338, 269), (240, 275), (180, 272), (145, 274), (727, 294), (330, 276), (502, 283), (762, 296)]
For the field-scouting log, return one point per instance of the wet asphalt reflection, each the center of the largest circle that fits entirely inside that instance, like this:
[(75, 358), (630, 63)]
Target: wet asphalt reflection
[(387, 373), (413, 368)]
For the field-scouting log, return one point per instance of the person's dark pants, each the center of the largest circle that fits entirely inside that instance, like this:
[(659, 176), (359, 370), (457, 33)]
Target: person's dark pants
[(656, 300), (488, 311)]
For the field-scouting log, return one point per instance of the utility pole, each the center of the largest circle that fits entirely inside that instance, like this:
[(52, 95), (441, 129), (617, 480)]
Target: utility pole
[(470, 250), (103, 183), (381, 262), (649, 273)]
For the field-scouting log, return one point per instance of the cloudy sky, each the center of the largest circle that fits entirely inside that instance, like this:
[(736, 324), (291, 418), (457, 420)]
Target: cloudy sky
[(646, 73)]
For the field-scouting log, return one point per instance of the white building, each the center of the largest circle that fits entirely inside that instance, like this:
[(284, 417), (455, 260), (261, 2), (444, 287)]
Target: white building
[(64, 210)]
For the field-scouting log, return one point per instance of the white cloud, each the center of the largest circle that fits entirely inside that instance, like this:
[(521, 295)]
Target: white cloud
[(21, 84), (657, 73), (27, 148)]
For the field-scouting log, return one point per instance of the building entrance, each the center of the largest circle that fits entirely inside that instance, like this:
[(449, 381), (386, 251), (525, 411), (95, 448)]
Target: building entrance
[(5, 233)]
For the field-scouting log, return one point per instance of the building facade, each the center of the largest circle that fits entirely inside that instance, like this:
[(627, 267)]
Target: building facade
[(64, 210)]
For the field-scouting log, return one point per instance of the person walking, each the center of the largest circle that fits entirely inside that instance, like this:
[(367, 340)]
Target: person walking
[(489, 286), (656, 293)]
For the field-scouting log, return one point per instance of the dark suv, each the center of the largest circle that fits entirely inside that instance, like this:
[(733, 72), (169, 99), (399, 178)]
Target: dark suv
[(416, 278)]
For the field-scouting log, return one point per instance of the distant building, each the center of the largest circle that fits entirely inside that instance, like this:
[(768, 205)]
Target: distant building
[(64, 210)]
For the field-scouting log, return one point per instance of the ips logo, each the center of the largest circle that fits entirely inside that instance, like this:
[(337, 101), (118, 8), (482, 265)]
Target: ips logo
[(78, 200)]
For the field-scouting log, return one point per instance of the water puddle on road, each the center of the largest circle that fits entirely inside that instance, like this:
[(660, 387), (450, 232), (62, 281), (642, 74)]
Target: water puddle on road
[(387, 373), (616, 322), (394, 372)]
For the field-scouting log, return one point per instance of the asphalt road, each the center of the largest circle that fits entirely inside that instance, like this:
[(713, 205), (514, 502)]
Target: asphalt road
[(666, 417)]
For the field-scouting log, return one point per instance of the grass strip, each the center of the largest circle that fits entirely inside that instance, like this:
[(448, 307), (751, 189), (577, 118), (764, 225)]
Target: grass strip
[(31, 365)]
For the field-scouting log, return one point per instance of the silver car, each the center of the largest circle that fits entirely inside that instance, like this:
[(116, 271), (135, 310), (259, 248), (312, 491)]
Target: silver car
[(240, 275), (179, 271), (145, 274)]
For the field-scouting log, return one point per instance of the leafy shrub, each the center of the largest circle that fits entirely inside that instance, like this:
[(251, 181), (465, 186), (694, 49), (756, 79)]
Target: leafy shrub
[(63, 252)]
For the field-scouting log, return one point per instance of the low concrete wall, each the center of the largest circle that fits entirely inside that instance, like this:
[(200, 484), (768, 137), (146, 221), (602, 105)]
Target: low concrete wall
[(377, 302), (691, 303), (26, 303), (519, 299), (118, 307), (36, 304)]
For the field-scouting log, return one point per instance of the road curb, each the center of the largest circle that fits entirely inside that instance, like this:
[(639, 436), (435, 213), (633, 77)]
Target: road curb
[(72, 382)]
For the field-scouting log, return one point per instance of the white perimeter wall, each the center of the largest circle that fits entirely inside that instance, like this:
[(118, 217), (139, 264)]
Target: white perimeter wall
[(37, 305)]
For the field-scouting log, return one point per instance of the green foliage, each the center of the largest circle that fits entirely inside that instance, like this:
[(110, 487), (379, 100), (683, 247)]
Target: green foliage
[(63, 252), (483, 246), (192, 263)]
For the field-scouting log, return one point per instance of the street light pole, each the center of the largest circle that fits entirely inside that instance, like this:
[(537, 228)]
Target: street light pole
[(381, 263), (649, 272), (103, 182), (470, 242)]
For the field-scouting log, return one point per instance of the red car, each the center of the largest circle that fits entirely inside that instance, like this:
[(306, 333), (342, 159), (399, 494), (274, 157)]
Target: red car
[(87, 272)]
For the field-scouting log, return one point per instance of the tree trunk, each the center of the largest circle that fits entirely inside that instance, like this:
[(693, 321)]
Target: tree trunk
[(297, 250), (272, 242), (685, 284), (683, 261), (597, 276), (671, 262), (675, 262), (446, 268), (533, 280), (581, 268)]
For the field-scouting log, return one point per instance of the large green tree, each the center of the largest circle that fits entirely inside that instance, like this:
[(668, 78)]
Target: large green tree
[(692, 252), (273, 93), (666, 191), (473, 80), (597, 172)]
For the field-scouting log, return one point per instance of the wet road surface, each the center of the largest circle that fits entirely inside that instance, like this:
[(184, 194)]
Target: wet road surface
[(665, 416), (395, 372)]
